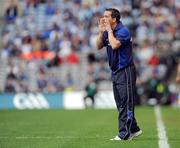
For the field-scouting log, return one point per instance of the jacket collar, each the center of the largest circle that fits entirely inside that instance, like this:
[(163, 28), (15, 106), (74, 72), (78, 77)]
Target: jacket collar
[(118, 26)]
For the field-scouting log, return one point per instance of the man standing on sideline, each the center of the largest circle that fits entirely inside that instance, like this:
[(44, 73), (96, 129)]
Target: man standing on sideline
[(117, 40)]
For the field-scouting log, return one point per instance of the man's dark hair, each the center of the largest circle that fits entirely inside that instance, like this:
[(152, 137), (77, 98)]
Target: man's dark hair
[(115, 14)]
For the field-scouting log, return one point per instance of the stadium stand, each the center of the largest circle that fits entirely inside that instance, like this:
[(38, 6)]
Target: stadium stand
[(46, 46)]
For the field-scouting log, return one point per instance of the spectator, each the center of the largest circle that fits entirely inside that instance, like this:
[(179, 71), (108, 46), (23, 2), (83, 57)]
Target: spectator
[(11, 12), (10, 86), (50, 9), (33, 3), (41, 82)]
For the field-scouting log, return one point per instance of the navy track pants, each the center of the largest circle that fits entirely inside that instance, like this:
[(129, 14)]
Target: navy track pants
[(124, 88)]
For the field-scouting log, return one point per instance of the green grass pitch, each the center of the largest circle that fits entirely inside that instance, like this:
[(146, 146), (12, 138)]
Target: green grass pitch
[(82, 128)]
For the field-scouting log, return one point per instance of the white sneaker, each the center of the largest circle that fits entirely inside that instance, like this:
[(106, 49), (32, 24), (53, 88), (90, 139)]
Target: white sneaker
[(117, 138), (133, 135), (136, 134)]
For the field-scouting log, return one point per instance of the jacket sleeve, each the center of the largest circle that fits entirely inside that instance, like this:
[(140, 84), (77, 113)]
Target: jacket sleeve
[(123, 36)]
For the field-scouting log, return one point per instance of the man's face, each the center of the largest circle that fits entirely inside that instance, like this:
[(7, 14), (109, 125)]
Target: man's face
[(107, 16)]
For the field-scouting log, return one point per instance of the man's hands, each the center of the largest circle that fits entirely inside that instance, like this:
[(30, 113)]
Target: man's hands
[(102, 28), (108, 26), (103, 25)]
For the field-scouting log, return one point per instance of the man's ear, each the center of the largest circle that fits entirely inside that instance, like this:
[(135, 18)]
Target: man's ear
[(114, 20)]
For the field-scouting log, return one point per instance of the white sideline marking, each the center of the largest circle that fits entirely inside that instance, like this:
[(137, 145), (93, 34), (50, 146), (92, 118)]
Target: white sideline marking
[(163, 139)]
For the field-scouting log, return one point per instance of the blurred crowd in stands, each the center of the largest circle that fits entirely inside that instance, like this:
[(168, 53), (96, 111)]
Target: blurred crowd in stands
[(50, 45)]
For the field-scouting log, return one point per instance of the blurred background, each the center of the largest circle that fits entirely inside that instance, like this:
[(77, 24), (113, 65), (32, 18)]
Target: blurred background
[(48, 47)]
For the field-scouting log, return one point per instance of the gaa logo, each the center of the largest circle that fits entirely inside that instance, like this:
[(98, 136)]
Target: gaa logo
[(30, 101)]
